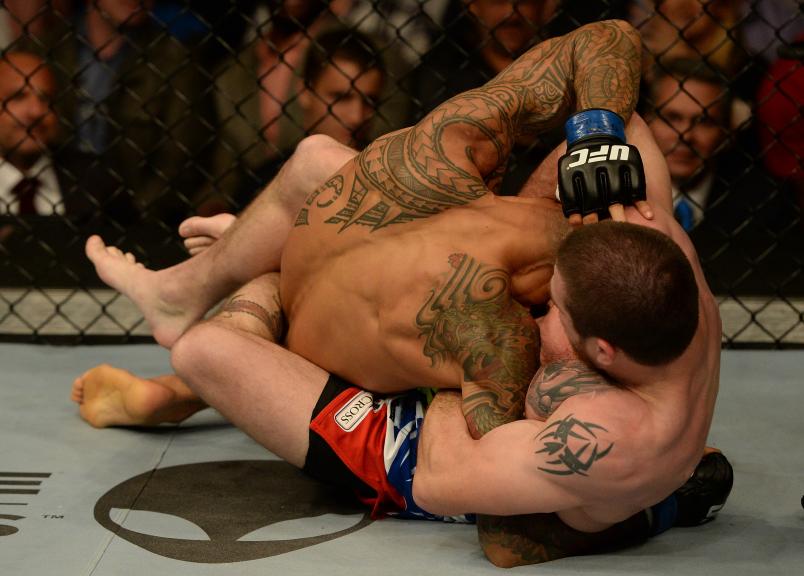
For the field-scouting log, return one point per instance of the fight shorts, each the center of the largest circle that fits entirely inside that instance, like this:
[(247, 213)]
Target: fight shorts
[(368, 443)]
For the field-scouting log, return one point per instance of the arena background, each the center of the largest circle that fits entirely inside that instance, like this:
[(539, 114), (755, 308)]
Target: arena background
[(49, 293)]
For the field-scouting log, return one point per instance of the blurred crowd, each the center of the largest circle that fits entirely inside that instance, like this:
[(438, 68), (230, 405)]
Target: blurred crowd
[(125, 116)]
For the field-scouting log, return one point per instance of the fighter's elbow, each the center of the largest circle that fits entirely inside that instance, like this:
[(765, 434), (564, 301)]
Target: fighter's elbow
[(432, 494), (619, 35), (425, 493)]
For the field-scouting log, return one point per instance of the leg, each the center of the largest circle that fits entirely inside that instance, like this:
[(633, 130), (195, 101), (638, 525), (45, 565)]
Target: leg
[(109, 396), (262, 388), (173, 299)]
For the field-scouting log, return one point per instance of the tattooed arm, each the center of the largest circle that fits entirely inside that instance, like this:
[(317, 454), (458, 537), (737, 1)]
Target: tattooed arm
[(473, 321), (510, 541), (595, 66), (458, 152), (573, 462), (533, 538)]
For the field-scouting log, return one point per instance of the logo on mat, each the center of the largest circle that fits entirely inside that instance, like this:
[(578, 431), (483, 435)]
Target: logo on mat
[(355, 410), (233, 511)]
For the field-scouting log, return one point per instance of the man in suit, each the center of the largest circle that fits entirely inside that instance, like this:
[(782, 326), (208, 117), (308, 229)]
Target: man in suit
[(136, 99), (47, 195), (740, 218)]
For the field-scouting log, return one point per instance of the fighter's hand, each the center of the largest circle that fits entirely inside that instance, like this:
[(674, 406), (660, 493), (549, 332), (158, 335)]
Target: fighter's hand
[(600, 174)]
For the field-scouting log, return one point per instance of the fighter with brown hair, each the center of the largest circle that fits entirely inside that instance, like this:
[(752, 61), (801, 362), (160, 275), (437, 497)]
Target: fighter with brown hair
[(405, 269)]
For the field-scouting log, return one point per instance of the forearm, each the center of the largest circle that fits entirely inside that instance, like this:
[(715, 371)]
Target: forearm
[(595, 66), (442, 441), (509, 541), (487, 405), (606, 57)]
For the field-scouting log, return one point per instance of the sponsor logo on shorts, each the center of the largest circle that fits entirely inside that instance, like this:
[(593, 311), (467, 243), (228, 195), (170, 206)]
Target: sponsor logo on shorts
[(354, 411)]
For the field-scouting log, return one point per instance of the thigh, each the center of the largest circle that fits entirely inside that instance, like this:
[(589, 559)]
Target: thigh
[(262, 388)]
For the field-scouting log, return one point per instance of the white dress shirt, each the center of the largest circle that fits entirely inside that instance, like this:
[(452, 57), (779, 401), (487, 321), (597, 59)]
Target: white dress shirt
[(48, 200)]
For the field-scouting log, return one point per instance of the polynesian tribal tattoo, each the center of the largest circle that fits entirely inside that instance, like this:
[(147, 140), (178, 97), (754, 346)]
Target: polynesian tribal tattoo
[(418, 172), (274, 321), (558, 380), (473, 320), (575, 445)]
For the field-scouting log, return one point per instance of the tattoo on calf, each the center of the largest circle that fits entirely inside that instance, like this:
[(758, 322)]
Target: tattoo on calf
[(473, 321), (274, 321), (575, 445), (561, 379)]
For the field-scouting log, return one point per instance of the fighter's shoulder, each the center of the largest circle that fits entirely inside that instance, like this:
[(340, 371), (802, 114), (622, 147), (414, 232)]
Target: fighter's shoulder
[(663, 222), (558, 381), (594, 436)]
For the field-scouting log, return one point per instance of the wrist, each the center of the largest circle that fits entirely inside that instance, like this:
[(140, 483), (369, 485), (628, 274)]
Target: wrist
[(594, 122)]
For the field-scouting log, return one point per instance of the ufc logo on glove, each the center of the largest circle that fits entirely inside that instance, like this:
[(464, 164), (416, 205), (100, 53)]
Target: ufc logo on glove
[(599, 168), (618, 152)]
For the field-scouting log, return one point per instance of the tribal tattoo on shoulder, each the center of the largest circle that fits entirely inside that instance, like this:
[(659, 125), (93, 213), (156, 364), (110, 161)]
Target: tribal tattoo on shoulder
[(473, 320), (575, 445), (561, 379)]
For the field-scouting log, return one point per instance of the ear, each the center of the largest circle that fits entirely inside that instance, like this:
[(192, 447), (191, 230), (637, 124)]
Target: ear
[(603, 352)]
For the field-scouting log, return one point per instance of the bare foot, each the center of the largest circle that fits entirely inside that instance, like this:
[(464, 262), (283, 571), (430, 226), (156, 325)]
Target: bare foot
[(200, 233), (169, 308), (109, 396)]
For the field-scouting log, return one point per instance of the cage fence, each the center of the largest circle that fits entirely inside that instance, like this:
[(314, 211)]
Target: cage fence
[(122, 119)]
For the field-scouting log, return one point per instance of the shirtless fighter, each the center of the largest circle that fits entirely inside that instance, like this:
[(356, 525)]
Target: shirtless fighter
[(447, 309)]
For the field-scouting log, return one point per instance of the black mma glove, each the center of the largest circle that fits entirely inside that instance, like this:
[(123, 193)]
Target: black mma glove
[(599, 168)]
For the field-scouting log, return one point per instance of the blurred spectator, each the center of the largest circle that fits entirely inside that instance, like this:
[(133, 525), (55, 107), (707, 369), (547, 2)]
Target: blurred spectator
[(342, 79), (255, 88), (780, 101), (36, 178), (403, 31), (481, 38), (29, 18), (693, 29), (741, 219), (342, 83), (49, 197), (770, 24), (689, 117), (134, 97)]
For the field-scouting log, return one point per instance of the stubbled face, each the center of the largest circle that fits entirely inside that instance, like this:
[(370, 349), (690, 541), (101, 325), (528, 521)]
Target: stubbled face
[(27, 123), (342, 102), (124, 12), (687, 125), (560, 340), (512, 25)]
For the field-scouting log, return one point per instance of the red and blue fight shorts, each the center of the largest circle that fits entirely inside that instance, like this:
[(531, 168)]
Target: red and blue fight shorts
[(368, 443)]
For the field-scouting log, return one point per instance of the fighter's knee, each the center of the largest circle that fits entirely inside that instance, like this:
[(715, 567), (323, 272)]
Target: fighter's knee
[(319, 154), (194, 350), (315, 144)]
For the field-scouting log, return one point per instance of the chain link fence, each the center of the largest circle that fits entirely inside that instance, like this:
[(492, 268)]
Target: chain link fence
[(124, 117)]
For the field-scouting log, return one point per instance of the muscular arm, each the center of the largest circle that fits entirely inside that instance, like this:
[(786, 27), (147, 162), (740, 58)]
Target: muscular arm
[(473, 321), (526, 466), (458, 152), (596, 66)]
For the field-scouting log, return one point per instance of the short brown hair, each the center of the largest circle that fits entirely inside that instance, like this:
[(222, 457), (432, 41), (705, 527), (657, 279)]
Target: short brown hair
[(631, 286)]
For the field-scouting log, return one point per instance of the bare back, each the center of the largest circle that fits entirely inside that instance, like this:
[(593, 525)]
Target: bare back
[(384, 307), (377, 249)]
